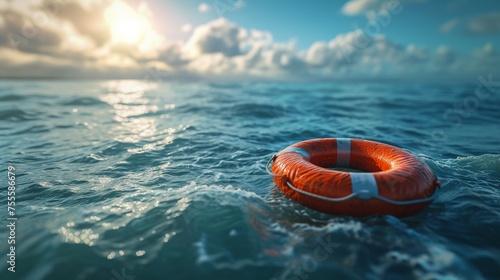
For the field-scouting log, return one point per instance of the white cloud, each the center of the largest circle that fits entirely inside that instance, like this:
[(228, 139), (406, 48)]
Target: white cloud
[(486, 58), (186, 28), (486, 52), (217, 50), (356, 7), (218, 36), (238, 4), (448, 26), (203, 8), (224, 50), (445, 56), (484, 24)]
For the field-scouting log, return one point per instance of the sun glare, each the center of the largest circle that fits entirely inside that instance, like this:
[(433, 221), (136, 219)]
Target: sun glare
[(127, 26)]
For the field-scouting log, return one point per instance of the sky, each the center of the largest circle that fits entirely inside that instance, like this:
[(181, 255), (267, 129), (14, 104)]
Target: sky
[(247, 40)]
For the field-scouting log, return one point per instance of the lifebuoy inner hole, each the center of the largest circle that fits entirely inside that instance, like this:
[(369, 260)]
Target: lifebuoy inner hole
[(358, 163)]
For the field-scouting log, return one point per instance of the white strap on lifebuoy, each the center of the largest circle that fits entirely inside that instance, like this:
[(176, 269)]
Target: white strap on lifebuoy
[(343, 152), (364, 184)]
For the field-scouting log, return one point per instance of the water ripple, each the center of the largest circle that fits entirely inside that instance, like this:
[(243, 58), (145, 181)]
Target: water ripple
[(168, 179)]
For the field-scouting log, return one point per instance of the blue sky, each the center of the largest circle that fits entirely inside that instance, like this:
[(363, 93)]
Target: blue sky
[(310, 21), (251, 39)]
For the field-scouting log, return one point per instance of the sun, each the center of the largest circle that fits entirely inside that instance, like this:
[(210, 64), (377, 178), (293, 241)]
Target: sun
[(132, 29), (127, 26)]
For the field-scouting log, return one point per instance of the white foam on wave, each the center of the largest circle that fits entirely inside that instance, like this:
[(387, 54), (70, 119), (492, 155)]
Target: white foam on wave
[(347, 226), (194, 187), (201, 249), (436, 263), (486, 163)]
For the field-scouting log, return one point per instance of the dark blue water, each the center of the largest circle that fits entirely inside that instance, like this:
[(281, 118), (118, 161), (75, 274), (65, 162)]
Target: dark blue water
[(124, 179)]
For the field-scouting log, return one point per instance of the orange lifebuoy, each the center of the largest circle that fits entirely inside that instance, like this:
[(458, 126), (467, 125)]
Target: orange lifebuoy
[(393, 182)]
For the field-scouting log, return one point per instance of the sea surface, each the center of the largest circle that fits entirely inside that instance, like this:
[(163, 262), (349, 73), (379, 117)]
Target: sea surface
[(143, 180)]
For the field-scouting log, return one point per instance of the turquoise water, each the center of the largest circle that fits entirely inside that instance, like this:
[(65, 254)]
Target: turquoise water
[(133, 180)]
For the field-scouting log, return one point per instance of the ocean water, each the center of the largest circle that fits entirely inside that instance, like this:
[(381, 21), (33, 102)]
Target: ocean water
[(136, 180)]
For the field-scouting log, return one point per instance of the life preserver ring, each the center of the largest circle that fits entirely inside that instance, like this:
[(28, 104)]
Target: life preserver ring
[(393, 182)]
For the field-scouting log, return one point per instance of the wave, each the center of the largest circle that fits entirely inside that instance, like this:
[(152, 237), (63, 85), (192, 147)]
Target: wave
[(82, 101), (12, 97), (174, 175), (17, 115), (255, 110), (484, 163), (467, 166)]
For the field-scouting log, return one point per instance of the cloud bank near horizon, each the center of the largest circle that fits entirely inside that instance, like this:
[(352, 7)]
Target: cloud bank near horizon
[(110, 39)]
